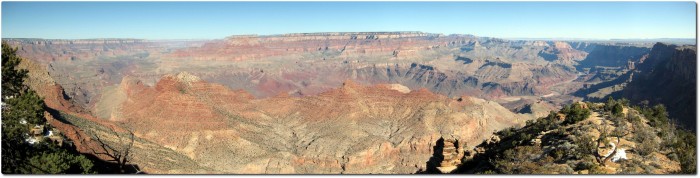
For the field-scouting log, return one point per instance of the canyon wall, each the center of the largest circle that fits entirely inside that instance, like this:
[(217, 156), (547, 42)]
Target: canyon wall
[(669, 77)]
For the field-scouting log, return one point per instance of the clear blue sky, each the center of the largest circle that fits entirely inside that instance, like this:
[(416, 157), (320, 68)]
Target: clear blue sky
[(210, 20)]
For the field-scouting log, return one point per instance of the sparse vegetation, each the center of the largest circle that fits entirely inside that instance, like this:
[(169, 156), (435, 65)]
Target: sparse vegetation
[(118, 153), (575, 113), (548, 145), (646, 143)]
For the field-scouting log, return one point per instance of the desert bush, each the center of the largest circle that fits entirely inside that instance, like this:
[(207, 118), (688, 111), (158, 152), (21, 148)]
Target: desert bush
[(520, 160), (585, 165), (617, 109), (575, 113), (630, 167), (586, 145), (646, 144), (634, 119), (686, 150)]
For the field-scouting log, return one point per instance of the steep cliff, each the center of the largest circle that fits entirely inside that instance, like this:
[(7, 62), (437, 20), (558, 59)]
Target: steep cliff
[(668, 77), (612, 56)]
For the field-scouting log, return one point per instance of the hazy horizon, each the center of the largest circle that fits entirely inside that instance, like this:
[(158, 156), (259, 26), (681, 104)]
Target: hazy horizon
[(508, 38), (216, 20)]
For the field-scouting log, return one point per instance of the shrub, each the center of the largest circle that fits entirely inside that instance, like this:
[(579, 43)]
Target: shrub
[(686, 150), (575, 113), (617, 109), (609, 104), (586, 145), (646, 144), (630, 166), (520, 160), (634, 119), (585, 165)]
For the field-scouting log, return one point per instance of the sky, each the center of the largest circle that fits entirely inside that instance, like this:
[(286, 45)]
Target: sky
[(214, 20)]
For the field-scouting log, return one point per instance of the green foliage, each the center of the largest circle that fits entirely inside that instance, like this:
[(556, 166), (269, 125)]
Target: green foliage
[(508, 132), (23, 104), (630, 166), (12, 78), (575, 113), (566, 146), (586, 145), (28, 106), (521, 160), (646, 144), (592, 106), (488, 172), (546, 123), (587, 162), (617, 109), (681, 142), (685, 147), (615, 106), (609, 104), (624, 101), (58, 162), (657, 115), (557, 154), (13, 148), (634, 119)]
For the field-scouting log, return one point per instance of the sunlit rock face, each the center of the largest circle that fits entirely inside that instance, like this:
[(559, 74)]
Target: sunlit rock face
[(352, 129), (315, 103)]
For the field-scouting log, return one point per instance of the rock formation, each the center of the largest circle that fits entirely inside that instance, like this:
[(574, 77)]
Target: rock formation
[(356, 103), (452, 154), (668, 77), (612, 56), (352, 129), (310, 63)]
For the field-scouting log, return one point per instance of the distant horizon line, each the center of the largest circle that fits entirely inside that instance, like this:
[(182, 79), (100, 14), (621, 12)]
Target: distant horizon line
[(280, 34)]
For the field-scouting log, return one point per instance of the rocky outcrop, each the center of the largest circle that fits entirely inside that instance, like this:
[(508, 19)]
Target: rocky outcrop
[(310, 63), (253, 47), (452, 155), (612, 56), (553, 146), (310, 103), (668, 77), (562, 51), (354, 129), (494, 79), (81, 128), (58, 50)]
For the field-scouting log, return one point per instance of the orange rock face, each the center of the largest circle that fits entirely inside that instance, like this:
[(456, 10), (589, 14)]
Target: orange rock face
[(351, 129), (252, 47), (296, 103)]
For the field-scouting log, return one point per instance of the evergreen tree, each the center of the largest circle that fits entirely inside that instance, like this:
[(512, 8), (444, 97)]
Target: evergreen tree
[(58, 162), (11, 78), (28, 107), (21, 109)]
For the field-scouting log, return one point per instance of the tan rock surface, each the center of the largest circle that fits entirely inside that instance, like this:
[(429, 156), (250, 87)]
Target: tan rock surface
[(352, 129)]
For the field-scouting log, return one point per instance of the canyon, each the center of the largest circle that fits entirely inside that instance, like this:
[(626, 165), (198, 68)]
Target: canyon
[(329, 103)]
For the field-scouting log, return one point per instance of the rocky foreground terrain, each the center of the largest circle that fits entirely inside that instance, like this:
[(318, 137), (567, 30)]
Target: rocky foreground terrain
[(588, 138), (374, 102)]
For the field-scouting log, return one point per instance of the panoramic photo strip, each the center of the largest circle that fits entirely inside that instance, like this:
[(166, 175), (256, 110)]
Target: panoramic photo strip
[(514, 88)]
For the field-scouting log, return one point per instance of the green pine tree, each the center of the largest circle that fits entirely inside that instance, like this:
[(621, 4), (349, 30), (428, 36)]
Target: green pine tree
[(21, 109), (11, 77)]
